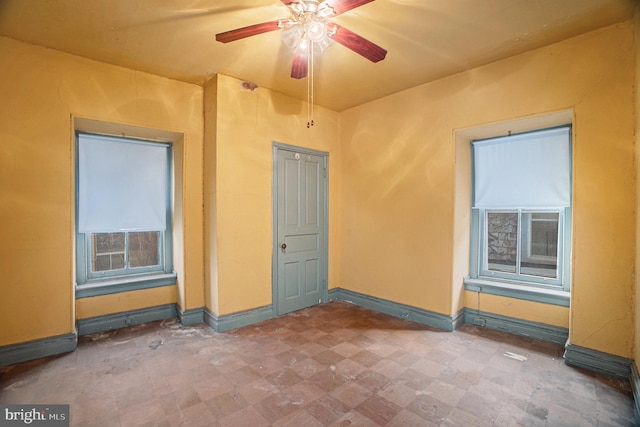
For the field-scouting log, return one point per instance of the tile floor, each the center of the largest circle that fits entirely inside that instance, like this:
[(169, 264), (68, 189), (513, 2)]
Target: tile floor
[(334, 364)]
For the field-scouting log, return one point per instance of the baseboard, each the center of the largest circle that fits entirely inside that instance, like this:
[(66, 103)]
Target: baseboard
[(536, 330), (457, 319), (191, 317), (109, 322), (236, 320), (403, 311), (16, 353), (597, 361), (635, 386)]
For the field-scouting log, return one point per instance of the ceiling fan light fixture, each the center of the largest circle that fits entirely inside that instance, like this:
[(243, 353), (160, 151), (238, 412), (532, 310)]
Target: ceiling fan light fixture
[(315, 30), (297, 9), (292, 35), (324, 43), (299, 36), (303, 46)]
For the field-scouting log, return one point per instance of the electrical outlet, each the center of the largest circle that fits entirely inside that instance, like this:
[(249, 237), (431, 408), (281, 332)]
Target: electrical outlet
[(480, 322)]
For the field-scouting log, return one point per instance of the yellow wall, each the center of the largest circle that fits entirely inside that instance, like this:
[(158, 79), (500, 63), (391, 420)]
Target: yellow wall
[(399, 173), (125, 301), (527, 310), (42, 90), (246, 125), (636, 341)]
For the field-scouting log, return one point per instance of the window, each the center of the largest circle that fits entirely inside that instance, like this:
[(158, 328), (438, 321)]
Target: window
[(521, 209), (123, 212)]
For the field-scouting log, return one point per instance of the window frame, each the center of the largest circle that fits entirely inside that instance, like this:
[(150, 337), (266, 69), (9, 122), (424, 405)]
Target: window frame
[(89, 283), (536, 288), (483, 271)]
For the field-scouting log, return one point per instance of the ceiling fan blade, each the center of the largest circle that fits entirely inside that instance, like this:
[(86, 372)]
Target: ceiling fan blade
[(342, 6), (359, 44), (300, 66), (251, 30)]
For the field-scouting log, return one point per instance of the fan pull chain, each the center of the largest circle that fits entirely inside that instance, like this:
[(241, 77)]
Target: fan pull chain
[(310, 87), (312, 79), (309, 90)]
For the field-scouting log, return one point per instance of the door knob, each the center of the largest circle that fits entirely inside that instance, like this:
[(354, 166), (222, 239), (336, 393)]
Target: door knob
[(283, 246)]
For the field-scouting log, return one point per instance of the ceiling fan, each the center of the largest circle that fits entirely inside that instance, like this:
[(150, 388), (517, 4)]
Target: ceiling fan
[(310, 27)]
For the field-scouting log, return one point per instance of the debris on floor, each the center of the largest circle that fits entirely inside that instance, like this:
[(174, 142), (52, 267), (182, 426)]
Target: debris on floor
[(515, 356)]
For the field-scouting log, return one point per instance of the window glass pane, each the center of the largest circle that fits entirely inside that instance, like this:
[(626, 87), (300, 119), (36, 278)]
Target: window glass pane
[(143, 249), (502, 241), (107, 251), (539, 244)]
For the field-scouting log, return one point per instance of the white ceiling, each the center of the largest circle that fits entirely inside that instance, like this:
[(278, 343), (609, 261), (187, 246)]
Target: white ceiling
[(425, 39)]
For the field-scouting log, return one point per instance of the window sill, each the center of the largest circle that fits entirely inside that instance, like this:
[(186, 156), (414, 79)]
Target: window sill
[(133, 283), (524, 292)]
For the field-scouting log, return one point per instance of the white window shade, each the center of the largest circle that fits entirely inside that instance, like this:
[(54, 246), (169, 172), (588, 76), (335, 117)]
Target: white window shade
[(531, 170), (122, 185)]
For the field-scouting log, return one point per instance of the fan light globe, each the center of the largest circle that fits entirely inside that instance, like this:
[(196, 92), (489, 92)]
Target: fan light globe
[(291, 36), (315, 30), (304, 44), (324, 43)]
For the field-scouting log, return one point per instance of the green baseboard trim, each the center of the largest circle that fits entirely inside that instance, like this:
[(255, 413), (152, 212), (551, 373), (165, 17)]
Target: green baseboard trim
[(403, 311), (109, 322), (191, 317), (458, 319), (635, 386), (237, 320), (597, 361), (50, 346), (536, 330)]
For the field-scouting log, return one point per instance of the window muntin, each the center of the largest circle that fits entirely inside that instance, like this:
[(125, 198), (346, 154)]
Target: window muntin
[(132, 176), (521, 208)]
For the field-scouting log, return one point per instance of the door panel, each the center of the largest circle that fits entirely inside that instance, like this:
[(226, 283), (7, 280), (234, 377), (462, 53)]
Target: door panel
[(301, 243), (291, 192), (313, 277), (301, 230), (312, 193), (291, 274)]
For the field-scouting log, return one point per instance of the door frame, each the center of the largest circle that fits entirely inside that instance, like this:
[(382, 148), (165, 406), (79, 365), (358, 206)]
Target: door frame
[(274, 227)]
